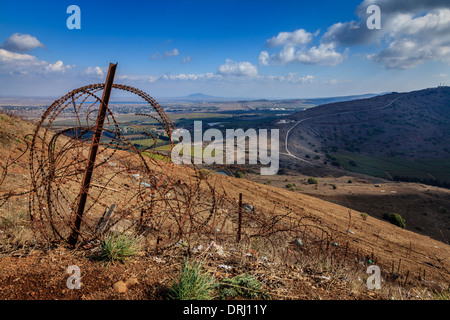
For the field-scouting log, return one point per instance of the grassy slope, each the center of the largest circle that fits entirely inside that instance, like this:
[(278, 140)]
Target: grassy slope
[(387, 167)]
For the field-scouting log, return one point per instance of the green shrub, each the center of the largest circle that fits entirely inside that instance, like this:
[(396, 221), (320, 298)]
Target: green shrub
[(243, 285), (291, 186), (364, 216), (395, 219), (193, 283), (239, 174), (313, 181), (118, 247)]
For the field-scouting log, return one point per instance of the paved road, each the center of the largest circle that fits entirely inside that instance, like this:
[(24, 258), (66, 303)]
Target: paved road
[(288, 153)]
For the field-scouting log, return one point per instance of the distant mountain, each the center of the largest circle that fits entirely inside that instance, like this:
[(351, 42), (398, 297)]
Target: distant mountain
[(200, 96)]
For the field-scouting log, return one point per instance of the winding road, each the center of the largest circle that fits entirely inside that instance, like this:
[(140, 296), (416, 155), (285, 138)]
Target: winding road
[(288, 153)]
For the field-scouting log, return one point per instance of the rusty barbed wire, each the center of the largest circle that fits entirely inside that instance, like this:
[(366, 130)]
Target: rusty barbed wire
[(167, 203), (8, 190)]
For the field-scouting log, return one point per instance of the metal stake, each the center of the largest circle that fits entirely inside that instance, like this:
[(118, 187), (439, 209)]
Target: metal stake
[(73, 238), (239, 218)]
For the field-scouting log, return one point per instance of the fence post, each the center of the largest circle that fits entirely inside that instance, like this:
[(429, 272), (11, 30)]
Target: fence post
[(239, 218), (73, 238)]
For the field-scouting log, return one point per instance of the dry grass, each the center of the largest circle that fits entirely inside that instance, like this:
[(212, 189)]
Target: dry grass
[(15, 229)]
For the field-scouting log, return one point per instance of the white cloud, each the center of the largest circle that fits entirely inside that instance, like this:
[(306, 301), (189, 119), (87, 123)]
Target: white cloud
[(22, 63), (263, 58), (297, 49), (292, 39), (417, 40), (186, 59), (58, 66), (238, 69), (440, 75), (413, 32), (15, 58), (97, 72), (21, 43), (324, 54)]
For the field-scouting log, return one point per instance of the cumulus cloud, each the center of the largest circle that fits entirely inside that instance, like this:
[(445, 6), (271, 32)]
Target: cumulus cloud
[(323, 54), (21, 43), (21, 63), (292, 39), (296, 48), (97, 72), (412, 32), (238, 69), (263, 58), (18, 59), (58, 66)]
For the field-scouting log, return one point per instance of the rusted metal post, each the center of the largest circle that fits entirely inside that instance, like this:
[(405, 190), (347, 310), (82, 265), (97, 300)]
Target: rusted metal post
[(239, 218), (73, 238)]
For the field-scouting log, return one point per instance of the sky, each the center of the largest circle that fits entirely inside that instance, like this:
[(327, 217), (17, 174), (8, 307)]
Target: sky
[(238, 49)]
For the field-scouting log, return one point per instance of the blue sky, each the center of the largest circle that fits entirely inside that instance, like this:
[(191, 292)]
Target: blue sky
[(254, 49)]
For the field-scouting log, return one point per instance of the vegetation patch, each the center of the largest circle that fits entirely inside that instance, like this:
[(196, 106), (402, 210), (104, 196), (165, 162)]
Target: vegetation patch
[(395, 219), (242, 286), (118, 247), (291, 186), (193, 283)]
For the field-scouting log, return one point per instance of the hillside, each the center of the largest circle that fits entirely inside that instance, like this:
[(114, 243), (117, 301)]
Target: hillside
[(298, 246), (403, 136)]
